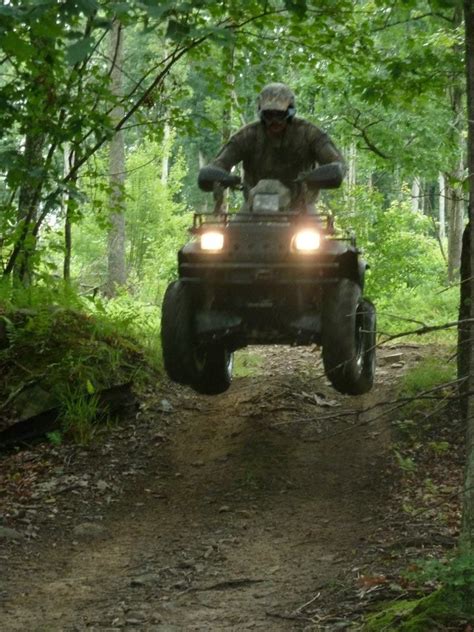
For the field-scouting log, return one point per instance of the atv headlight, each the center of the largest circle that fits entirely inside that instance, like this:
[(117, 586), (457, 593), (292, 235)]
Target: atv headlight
[(307, 240), (212, 240)]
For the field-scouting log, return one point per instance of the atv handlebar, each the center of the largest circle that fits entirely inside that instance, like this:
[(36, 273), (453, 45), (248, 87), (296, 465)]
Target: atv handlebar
[(209, 176), (328, 176)]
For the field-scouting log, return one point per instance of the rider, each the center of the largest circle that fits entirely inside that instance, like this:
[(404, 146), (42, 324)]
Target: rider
[(279, 146)]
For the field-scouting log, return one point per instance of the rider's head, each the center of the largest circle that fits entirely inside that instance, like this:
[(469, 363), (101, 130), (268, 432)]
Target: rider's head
[(276, 106)]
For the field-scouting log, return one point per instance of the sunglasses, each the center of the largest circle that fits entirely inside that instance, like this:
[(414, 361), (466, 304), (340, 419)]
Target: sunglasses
[(274, 115)]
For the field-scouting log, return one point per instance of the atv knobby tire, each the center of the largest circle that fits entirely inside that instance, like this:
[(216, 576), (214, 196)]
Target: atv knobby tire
[(176, 332), (348, 338), (206, 368)]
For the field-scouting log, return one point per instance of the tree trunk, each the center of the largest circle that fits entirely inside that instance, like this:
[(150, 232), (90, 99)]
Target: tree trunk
[(71, 158), (442, 208), (117, 272), (454, 192), (466, 350), (165, 161), (28, 201), (415, 195), (67, 221), (228, 67), (202, 163), (229, 58), (455, 212), (351, 177)]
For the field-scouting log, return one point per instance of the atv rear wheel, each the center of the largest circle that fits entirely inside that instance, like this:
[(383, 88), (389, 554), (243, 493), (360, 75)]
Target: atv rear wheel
[(213, 370), (348, 338)]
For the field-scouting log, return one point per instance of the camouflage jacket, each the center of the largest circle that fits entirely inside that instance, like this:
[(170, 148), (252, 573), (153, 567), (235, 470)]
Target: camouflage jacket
[(301, 147)]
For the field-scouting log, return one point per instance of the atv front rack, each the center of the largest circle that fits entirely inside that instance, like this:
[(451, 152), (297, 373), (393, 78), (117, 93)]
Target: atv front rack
[(322, 221)]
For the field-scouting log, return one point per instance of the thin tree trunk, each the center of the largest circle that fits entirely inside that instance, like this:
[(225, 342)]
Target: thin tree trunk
[(228, 66), (202, 163), (71, 157), (415, 195), (165, 161), (467, 296), (455, 208), (229, 59), (67, 223), (352, 177), (442, 208), (117, 272)]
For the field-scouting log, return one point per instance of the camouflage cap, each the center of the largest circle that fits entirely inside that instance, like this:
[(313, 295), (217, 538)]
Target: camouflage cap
[(276, 96)]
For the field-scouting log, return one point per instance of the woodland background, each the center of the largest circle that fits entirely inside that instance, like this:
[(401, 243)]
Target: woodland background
[(108, 109)]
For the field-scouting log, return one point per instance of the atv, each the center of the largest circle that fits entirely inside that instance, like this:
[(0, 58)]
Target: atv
[(269, 274)]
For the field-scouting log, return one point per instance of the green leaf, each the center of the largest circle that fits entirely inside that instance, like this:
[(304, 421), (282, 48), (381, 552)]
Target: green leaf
[(90, 387), (13, 44), (79, 50), (297, 6), (87, 6), (162, 10), (177, 30)]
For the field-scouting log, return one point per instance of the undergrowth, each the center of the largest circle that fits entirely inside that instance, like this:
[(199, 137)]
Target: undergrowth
[(451, 603), (410, 309), (438, 611), (428, 437), (58, 348)]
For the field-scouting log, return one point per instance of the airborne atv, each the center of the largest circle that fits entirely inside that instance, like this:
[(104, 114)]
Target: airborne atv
[(268, 275)]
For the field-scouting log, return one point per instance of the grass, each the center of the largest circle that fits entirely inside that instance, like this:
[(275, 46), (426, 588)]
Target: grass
[(428, 374), (409, 309), (79, 414), (247, 363)]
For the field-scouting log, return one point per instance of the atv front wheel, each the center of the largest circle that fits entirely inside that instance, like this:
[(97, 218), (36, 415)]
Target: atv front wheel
[(176, 332), (348, 338), (207, 369)]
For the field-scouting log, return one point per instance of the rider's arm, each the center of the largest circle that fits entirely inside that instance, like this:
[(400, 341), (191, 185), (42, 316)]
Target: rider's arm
[(326, 152), (230, 154)]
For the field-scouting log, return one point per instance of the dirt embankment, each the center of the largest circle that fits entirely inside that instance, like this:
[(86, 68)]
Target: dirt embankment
[(256, 509)]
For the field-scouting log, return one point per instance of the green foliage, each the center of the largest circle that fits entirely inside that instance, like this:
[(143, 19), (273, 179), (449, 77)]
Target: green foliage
[(134, 321), (156, 223), (439, 447), (427, 374), (406, 463), (443, 607), (456, 574), (452, 603), (246, 363), (401, 252), (73, 354), (408, 309), (397, 242), (79, 414), (55, 438)]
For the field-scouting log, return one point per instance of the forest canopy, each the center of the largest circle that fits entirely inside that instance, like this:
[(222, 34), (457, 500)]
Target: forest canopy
[(165, 83)]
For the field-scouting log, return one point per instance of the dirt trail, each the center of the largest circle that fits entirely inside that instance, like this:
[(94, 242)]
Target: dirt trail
[(245, 506)]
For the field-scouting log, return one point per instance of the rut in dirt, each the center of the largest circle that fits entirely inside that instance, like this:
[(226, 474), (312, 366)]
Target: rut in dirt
[(248, 504)]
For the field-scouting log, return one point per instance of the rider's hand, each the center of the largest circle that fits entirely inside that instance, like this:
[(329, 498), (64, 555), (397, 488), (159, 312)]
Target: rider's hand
[(301, 177)]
